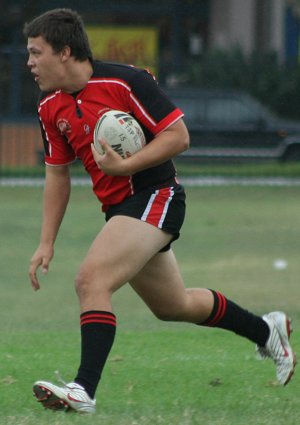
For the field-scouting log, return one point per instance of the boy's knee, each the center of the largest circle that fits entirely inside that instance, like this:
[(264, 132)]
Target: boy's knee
[(168, 315)]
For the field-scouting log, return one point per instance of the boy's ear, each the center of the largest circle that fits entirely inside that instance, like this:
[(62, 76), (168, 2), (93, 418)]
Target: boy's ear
[(65, 53)]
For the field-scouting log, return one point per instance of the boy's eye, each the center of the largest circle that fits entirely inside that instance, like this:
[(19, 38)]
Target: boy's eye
[(34, 52)]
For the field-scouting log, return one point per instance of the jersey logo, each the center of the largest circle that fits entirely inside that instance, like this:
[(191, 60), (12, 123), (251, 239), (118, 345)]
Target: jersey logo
[(86, 128), (63, 126)]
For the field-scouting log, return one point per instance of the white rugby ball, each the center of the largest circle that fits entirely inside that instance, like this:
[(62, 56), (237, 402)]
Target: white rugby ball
[(121, 131)]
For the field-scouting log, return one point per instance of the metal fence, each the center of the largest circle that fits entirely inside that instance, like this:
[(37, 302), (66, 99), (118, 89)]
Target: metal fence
[(21, 162)]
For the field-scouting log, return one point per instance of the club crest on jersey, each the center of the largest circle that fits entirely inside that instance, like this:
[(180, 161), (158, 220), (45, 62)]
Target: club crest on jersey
[(63, 126), (86, 128)]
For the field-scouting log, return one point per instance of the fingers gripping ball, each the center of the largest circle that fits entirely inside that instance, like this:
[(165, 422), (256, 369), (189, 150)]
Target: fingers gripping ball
[(121, 131)]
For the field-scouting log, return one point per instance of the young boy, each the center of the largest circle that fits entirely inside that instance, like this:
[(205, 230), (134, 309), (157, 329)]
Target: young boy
[(141, 197)]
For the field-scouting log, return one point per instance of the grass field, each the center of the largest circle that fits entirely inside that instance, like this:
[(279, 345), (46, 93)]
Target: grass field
[(187, 167), (158, 373)]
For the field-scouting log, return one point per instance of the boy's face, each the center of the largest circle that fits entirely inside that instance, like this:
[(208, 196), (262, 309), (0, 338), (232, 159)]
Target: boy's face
[(46, 65)]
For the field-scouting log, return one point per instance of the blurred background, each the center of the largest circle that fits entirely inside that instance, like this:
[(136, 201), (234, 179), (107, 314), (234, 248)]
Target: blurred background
[(231, 65)]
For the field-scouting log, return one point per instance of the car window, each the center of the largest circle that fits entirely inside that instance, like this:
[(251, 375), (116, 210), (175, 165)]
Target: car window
[(229, 111), (193, 109)]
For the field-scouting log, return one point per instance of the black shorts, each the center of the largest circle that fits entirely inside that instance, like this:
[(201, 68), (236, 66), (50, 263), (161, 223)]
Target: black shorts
[(161, 206)]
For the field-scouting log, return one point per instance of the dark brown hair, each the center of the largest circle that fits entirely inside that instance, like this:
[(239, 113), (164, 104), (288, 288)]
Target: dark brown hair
[(61, 28)]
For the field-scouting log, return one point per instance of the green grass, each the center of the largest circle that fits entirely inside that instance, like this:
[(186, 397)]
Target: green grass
[(196, 167), (188, 167), (157, 373)]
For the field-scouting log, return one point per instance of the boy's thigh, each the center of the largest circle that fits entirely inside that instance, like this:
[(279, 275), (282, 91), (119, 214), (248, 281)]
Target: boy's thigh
[(122, 248)]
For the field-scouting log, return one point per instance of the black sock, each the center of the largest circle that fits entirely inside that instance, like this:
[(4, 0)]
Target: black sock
[(97, 336), (228, 315)]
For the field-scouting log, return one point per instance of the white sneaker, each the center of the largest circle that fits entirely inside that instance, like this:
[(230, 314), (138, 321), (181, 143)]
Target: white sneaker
[(278, 347), (71, 396)]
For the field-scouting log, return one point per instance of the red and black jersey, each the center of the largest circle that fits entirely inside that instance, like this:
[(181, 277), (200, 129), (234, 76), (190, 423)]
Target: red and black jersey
[(68, 121)]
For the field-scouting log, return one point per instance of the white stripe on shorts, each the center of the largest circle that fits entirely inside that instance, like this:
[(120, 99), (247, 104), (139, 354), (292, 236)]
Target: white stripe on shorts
[(161, 221), (164, 210), (149, 205)]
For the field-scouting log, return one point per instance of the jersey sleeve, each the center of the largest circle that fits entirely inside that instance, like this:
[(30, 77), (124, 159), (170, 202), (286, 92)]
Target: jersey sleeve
[(151, 105), (57, 149)]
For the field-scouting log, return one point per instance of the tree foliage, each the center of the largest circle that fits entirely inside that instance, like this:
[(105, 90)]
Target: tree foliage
[(275, 84)]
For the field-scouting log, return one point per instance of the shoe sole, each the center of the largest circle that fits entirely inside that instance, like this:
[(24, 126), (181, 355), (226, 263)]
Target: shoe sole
[(49, 400), (289, 330), (285, 327), (55, 399), (292, 371)]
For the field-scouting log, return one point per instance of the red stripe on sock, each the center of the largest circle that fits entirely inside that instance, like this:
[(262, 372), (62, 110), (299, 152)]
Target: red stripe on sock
[(97, 315), (98, 318), (221, 310), (224, 307), (108, 322)]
